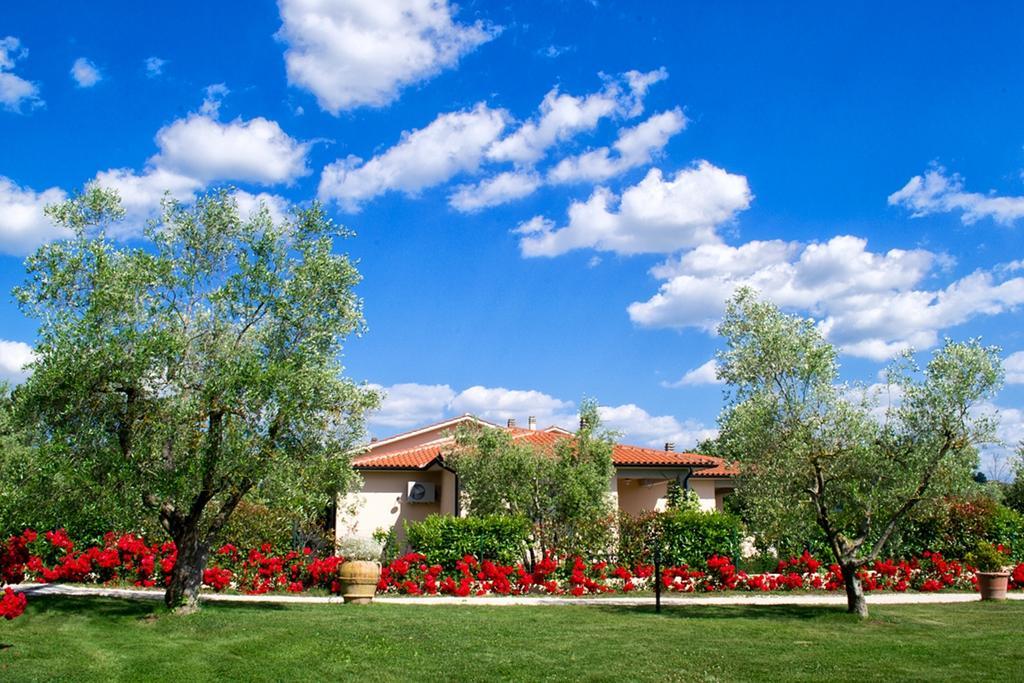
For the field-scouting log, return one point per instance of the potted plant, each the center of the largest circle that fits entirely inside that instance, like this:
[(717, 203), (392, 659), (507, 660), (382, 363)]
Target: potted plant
[(360, 571), (989, 563)]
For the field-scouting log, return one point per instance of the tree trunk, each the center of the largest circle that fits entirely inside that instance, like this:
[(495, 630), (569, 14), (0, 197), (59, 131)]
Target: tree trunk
[(182, 594), (855, 602)]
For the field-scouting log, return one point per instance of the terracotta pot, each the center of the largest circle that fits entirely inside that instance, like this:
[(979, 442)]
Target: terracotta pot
[(359, 580), (992, 585)]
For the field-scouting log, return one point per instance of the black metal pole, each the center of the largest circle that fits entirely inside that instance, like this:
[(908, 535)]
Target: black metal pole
[(657, 577)]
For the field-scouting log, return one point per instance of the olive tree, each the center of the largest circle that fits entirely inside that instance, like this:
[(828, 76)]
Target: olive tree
[(196, 369), (563, 491), (814, 457)]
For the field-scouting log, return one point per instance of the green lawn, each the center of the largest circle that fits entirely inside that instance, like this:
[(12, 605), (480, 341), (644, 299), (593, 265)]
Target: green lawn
[(84, 639)]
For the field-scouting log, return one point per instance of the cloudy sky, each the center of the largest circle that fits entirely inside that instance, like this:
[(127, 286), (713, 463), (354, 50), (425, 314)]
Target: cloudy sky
[(554, 202)]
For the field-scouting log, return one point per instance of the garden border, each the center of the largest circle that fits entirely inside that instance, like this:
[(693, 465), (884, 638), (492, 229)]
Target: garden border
[(880, 598)]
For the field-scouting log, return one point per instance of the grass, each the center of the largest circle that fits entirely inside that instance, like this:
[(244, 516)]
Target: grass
[(84, 639)]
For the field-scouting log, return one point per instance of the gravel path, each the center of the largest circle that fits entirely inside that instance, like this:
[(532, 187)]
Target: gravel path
[(668, 600)]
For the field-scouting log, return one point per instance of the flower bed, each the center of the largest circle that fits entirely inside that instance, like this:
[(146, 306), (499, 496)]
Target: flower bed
[(127, 559)]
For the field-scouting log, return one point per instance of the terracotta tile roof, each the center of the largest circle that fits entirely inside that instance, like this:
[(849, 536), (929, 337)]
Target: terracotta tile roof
[(638, 456), (623, 455), (720, 470), (411, 459)]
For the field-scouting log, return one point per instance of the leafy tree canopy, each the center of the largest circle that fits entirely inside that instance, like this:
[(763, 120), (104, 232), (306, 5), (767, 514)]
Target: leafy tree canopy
[(564, 493), (196, 371), (815, 455)]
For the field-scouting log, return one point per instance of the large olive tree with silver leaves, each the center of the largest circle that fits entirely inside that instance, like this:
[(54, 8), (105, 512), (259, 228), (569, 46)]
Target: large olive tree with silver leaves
[(816, 458), (198, 368)]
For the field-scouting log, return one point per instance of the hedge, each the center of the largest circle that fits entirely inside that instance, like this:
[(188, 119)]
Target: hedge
[(446, 540), (688, 537)]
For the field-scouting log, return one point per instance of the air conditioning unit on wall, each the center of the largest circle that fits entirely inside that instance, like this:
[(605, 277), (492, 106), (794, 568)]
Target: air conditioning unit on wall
[(421, 492)]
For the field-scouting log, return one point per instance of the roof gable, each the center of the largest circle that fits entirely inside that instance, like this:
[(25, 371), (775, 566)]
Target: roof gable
[(421, 448)]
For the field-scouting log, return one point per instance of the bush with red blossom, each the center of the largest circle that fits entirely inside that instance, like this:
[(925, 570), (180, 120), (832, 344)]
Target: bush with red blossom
[(130, 559)]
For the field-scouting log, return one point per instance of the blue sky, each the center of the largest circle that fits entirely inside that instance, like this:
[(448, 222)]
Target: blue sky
[(553, 200)]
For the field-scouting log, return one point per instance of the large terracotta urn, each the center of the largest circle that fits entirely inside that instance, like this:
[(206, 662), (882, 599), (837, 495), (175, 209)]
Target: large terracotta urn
[(359, 580), (992, 585)]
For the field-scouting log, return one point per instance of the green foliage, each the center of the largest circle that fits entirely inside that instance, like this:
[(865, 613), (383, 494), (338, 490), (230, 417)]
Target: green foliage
[(811, 455), (563, 493), (986, 557), (253, 524), (388, 540), (951, 525), (37, 494), (1013, 494), (186, 375), (1006, 528), (687, 537), (445, 539), (680, 498)]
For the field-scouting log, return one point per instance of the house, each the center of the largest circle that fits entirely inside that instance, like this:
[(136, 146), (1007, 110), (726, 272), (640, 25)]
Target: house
[(405, 477)]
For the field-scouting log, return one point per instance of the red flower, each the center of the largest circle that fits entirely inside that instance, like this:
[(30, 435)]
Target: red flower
[(11, 604)]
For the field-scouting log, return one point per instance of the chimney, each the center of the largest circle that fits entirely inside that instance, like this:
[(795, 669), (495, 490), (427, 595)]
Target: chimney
[(670, 446), (531, 422), (511, 422), (374, 439)]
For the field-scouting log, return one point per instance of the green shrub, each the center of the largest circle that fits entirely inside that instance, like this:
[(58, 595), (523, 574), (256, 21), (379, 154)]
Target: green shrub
[(952, 526), (445, 539), (687, 537), (1006, 528), (986, 558), (252, 525)]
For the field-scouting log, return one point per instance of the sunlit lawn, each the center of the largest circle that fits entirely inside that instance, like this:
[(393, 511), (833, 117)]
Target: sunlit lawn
[(84, 639)]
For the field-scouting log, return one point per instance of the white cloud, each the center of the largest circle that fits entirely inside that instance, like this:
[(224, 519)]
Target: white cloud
[(500, 404), (500, 189), (996, 458), (141, 193), (553, 51), (654, 216), (248, 204), (869, 304), (409, 405), (23, 226), (257, 150), (654, 431), (194, 152), (154, 66), (452, 143), (634, 147), (937, 192), (85, 73), (16, 93), (562, 116), (1014, 366), (14, 356), (352, 53), (198, 150), (639, 83), (701, 375), (461, 142)]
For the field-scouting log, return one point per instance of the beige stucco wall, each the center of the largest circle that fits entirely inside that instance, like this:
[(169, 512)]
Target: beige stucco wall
[(382, 504), (705, 490), (638, 495), (412, 441)]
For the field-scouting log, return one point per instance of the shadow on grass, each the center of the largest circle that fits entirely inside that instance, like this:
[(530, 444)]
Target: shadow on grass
[(92, 606), (769, 612), (126, 607)]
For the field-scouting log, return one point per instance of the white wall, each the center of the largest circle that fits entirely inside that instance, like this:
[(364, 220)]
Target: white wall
[(705, 490), (382, 504)]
